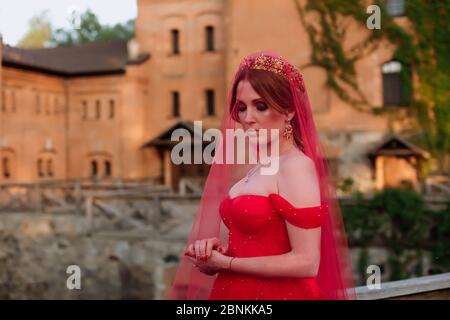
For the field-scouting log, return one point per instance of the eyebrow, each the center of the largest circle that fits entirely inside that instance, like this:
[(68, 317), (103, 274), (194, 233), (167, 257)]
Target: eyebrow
[(254, 100)]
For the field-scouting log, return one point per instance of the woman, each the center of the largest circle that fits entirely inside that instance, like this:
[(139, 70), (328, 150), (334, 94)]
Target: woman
[(277, 235)]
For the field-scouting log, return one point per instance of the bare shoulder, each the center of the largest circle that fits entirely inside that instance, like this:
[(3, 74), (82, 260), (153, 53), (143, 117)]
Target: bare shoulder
[(297, 180), (296, 165)]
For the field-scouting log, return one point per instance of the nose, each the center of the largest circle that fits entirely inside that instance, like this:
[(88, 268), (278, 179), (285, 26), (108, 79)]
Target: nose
[(249, 117)]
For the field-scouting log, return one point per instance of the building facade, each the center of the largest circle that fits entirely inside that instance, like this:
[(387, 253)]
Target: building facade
[(106, 110)]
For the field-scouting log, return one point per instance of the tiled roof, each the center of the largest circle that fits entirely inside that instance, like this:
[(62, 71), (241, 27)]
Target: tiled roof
[(102, 57), (394, 144)]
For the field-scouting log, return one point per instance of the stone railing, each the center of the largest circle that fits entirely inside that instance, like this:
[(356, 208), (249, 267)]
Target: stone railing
[(436, 287), (69, 195)]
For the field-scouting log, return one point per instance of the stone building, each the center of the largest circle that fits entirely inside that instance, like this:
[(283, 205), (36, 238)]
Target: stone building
[(107, 109)]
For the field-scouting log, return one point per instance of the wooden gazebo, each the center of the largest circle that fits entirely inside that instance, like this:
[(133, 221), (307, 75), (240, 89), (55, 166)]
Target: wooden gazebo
[(396, 163), (172, 173)]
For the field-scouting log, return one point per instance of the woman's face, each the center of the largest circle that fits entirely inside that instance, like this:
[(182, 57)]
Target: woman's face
[(254, 114)]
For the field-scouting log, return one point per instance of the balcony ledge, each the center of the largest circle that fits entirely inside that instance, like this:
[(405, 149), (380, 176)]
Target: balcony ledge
[(427, 287)]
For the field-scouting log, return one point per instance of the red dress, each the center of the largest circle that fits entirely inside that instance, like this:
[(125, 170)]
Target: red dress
[(257, 228)]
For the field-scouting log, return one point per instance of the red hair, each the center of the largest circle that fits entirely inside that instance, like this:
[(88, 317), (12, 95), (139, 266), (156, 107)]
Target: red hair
[(274, 89)]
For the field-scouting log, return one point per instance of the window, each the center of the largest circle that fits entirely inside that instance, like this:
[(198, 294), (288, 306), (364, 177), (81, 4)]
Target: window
[(3, 100), (55, 105), (94, 168), (47, 104), (97, 109), (175, 41), (393, 91), (5, 165), (210, 102), (40, 169), (209, 38), (49, 168), (38, 103), (111, 108), (395, 8), (13, 101), (107, 168), (175, 103), (85, 109)]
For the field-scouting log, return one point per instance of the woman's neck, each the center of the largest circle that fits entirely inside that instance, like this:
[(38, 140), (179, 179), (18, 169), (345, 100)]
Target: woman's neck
[(287, 147)]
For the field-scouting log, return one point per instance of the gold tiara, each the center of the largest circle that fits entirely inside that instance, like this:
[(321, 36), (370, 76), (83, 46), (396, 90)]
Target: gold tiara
[(273, 64)]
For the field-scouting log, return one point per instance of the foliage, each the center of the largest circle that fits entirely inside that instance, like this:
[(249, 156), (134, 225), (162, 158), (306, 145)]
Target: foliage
[(39, 34), (423, 49), (399, 220), (90, 30), (346, 185)]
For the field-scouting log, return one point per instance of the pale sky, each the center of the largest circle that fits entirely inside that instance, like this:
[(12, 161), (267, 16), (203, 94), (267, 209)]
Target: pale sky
[(16, 14)]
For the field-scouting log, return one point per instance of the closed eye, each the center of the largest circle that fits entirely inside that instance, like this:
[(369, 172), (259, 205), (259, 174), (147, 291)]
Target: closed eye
[(242, 107), (261, 106)]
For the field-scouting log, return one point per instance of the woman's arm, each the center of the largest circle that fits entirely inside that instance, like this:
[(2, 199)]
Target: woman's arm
[(296, 263)]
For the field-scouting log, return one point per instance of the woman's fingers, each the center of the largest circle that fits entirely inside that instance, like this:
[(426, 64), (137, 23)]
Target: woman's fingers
[(209, 247), (212, 244), (215, 242), (202, 249), (190, 250), (197, 249), (203, 244), (221, 249)]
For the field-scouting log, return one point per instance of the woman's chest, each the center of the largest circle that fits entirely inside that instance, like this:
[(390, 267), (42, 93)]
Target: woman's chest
[(251, 215)]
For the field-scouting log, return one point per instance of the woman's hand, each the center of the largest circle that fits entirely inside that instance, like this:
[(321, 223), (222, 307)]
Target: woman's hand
[(215, 263), (202, 249)]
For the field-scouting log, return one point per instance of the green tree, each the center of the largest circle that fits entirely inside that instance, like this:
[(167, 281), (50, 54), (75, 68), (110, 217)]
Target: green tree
[(87, 28), (39, 34)]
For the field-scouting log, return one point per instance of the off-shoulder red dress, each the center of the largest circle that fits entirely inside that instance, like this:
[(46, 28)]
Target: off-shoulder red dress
[(257, 227)]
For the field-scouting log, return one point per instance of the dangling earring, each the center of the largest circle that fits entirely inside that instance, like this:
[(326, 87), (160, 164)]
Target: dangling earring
[(288, 130)]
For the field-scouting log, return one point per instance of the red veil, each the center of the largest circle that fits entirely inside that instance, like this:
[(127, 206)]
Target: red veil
[(335, 276)]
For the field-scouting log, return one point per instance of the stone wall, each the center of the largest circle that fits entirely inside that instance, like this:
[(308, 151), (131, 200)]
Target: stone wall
[(131, 258), (116, 262)]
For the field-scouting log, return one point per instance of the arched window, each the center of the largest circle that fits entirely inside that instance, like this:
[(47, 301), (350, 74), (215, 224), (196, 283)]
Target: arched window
[(175, 103), (49, 167), (13, 101), (85, 109), (107, 172), (100, 164), (47, 104), (209, 33), (175, 35), (38, 103), (393, 89), (55, 105), (97, 109), (40, 169), (6, 168), (112, 105), (3, 100), (94, 168), (210, 102)]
